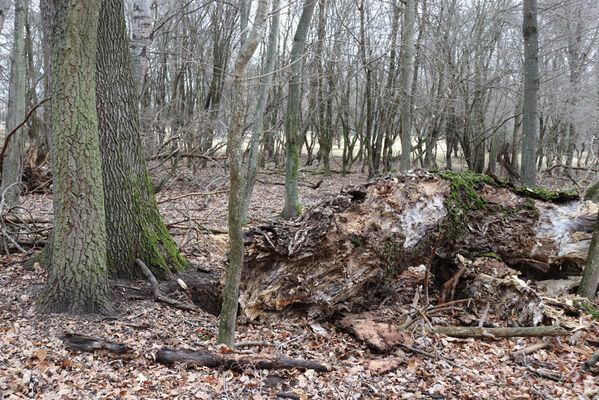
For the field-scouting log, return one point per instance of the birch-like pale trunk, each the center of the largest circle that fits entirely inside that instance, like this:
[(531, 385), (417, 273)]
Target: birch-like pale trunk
[(265, 84), (141, 31), (226, 331)]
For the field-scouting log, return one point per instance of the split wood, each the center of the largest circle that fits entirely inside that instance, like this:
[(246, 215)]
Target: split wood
[(156, 290)]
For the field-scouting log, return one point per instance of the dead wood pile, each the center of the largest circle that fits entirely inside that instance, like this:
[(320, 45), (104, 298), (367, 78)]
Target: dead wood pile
[(338, 256)]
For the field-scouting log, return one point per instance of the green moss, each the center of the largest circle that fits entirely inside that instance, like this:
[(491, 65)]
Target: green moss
[(299, 208), (463, 197), (589, 309), (554, 196), (356, 241), (490, 255), (592, 192)]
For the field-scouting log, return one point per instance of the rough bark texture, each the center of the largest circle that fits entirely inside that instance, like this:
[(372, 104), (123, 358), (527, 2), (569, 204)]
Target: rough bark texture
[(135, 227), (12, 163), (342, 252), (292, 136), (77, 280)]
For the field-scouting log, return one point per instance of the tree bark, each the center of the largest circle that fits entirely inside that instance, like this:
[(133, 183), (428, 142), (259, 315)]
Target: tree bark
[(12, 163), (590, 276), (292, 135), (135, 226), (407, 71), (77, 281), (265, 83), (228, 316), (141, 39), (531, 84)]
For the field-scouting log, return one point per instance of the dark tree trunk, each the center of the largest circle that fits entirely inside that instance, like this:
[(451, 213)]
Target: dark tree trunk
[(77, 281), (135, 227)]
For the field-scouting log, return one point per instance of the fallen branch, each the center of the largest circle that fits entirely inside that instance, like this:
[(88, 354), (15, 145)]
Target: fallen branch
[(590, 362), (193, 194), (478, 332), (156, 290), (430, 355), (520, 355), (88, 343), (204, 358)]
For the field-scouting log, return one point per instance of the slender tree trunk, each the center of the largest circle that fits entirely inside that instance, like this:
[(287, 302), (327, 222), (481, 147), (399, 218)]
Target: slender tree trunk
[(265, 83), (136, 229), (77, 281), (141, 30), (48, 11), (590, 276), (531, 83), (12, 164), (407, 71), (226, 331), (292, 135)]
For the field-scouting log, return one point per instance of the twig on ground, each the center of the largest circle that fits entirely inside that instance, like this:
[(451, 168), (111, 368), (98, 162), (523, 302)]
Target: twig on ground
[(156, 290)]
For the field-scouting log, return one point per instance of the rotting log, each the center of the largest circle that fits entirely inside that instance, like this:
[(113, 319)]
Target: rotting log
[(203, 358), (338, 256), (481, 332)]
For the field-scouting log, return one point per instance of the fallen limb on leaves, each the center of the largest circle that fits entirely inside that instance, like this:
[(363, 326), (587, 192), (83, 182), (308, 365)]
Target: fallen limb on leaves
[(156, 290), (204, 358), (88, 343), (481, 332)]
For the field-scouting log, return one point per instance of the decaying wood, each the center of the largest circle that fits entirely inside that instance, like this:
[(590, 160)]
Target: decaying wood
[(520, 355), (478, 332), (337, 256), (156, 290), (379, 336), (88, 343), (590, 362), (491, 283), (234, 361)]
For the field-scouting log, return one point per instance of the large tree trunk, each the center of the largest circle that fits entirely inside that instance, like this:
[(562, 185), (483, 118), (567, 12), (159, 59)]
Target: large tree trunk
[(12, 164), (135, 227), (344, 250), (292, 135), (77, 280)]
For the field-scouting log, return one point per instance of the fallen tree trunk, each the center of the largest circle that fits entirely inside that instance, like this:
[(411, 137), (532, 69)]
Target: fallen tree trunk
[(337, 256), (234, 361), (480, 332)]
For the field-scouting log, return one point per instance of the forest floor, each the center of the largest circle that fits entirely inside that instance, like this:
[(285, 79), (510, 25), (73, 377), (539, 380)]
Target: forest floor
[(35, 363)]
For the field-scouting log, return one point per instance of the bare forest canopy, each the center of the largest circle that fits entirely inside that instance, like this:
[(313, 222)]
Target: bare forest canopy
[(466, 92)]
